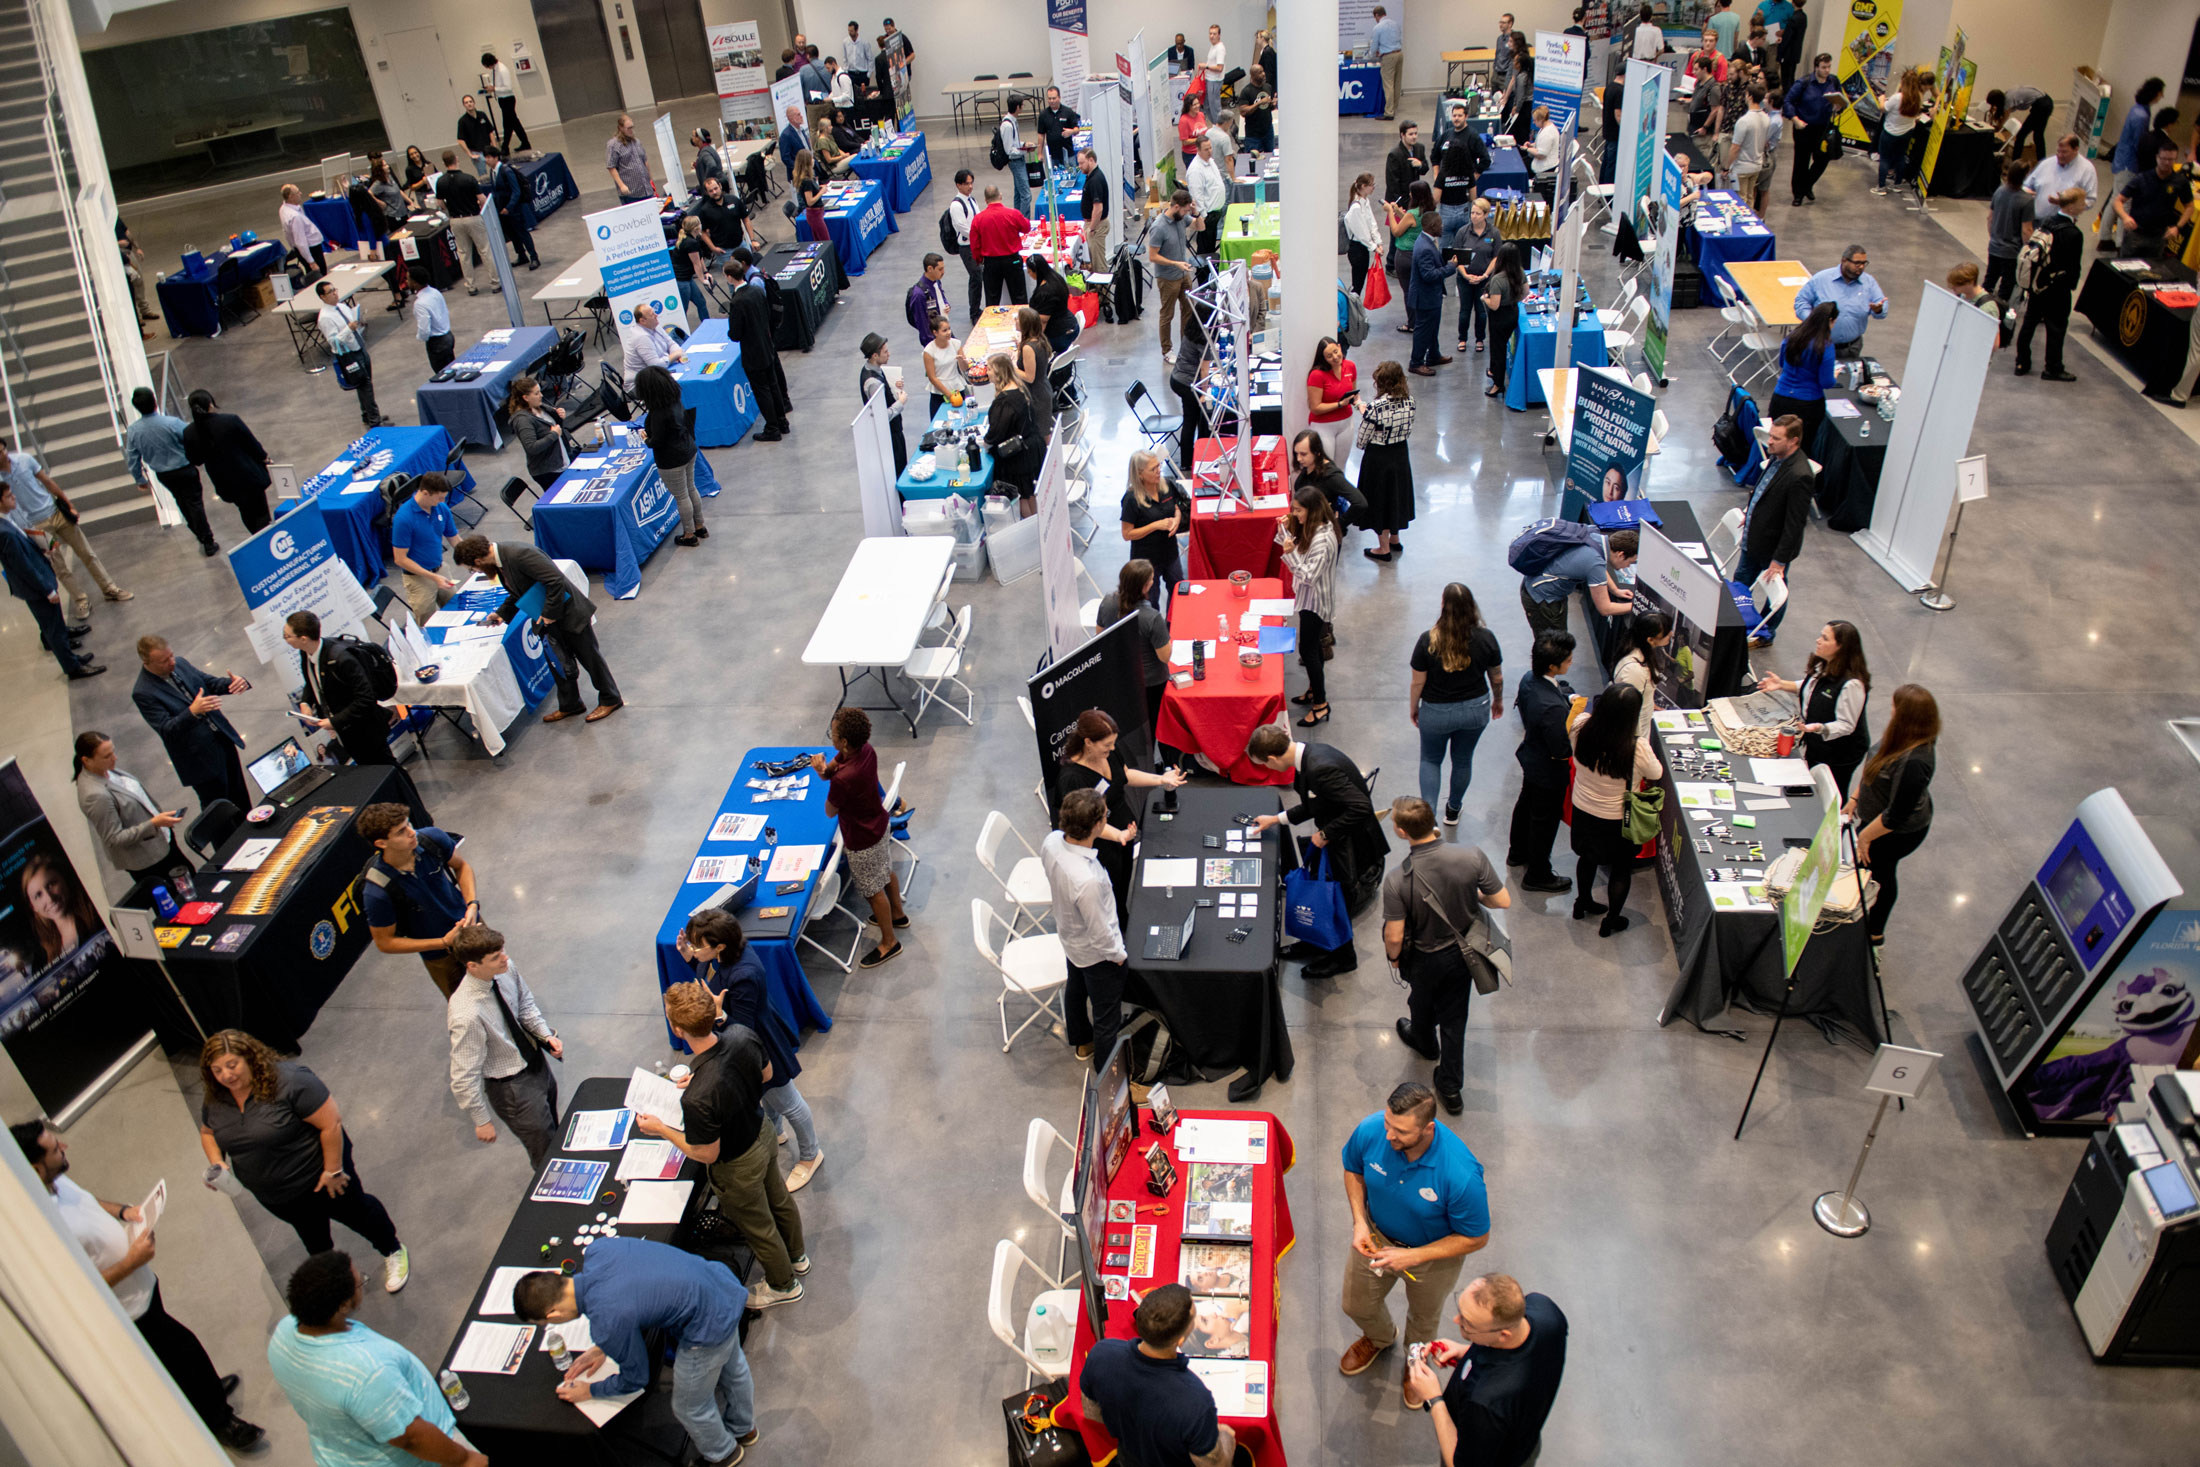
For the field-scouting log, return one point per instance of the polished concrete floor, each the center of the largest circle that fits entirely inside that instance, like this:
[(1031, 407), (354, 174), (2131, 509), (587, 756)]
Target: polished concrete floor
[(1712, 1321)]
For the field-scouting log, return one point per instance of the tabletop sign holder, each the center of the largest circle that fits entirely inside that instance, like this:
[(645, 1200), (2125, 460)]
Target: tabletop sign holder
[(1160, 1171), (1896, 1071), (1970, 485)]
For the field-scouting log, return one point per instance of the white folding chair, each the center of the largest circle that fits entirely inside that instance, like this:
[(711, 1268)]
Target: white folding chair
[(1039, 1143), (1088, 616), (930, 667), (1031, 721), (1732, 312), (1614, 316), (1725, 542), (1659, 427), (824, 901), (1763, 345), (900, 847), (1026, 881), (1031, 967), (1643, 382), (1086, 575), (1000, 1312), (941, 616), (1768, 593)]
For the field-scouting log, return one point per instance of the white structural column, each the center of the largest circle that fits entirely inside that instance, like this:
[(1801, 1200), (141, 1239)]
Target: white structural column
[(1306, 135)]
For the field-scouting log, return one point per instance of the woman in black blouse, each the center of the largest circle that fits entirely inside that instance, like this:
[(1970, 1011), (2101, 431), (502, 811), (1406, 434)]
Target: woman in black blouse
[(1893, 804), (1501, 295), (1832, 701), (1035, 367), (670, 433), (1133, 596), (1012, 434), (1153, 516), (1458, 687), (1091, 761), (1050, 298)]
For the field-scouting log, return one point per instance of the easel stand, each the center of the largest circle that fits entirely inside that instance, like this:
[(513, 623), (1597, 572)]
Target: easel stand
[(1840, 1213)]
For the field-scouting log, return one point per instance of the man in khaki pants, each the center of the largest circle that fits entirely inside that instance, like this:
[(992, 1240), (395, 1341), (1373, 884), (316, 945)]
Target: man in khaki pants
[(41, 509), (1099, 210), (1388, 41), (1418, 1209)]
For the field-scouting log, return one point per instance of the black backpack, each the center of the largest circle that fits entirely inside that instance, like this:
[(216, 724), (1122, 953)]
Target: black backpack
[(1727, 435), (998, 156), (374, 660), (948, 241)]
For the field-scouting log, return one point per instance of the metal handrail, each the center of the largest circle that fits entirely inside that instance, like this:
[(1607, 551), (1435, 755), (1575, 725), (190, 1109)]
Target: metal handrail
[(21, 433)]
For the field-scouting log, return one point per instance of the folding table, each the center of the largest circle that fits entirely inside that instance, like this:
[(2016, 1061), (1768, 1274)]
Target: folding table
[(879, 609)]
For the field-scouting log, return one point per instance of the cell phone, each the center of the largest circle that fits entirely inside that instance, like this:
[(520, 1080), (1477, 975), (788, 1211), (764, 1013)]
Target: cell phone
[(1203, 901), (1238, 934)]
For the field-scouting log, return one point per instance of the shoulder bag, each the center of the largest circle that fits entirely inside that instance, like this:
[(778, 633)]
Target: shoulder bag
[(1645, 817), (1485, 947)]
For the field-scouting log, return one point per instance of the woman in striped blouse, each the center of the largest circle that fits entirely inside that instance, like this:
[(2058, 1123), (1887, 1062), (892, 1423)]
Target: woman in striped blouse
[(1308, 535)]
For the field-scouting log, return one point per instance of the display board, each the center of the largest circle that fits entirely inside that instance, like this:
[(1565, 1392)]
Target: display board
[(875, 477), (69, 1008), (1663, 242), (1068, 47), (1058, 556), (1957, 74), (1803, 901), (2146, 1012), (1865, 61), (292, 566), (2089, 96), (1107, 671), (1951, 347), (1641, 139), (1689, 591), (786, 92), (1356, 24), (629, 242), (744, 87), (1611, 440)]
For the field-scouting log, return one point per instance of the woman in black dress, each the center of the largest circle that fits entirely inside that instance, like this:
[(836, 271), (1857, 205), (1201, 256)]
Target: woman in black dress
[(1090, 761), (1035, 367), (1501, 293), (1153, 516), (1012, 435), (1050, 298), (234, 462), (1132, 597), (1386, 463)]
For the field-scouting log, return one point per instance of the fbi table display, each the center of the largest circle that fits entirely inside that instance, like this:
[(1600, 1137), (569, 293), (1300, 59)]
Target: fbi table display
[(264, 888)]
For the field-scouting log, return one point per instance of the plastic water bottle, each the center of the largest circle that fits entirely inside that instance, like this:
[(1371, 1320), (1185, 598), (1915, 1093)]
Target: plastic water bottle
[(1223, 636), (560, 1356), (454, 1390)]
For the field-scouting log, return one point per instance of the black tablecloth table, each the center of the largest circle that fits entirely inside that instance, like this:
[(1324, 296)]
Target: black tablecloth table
[(430, 246), (292, 959), (1222, 1000), (1968, 165), (2145, 335), (518, 1419), (804, 299), (1729, 642), (1735, 958), (1850, 453)]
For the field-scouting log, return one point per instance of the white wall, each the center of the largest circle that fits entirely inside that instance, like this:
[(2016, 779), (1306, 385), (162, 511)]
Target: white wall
[(634, 84), (2145, 38), (2034, 42), (466, 31)]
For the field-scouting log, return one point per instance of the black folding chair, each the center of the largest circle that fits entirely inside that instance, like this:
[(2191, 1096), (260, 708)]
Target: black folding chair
[(218, 821), (516, 488), (454, 469), (563, 366), (1159, 427), (599, 307)]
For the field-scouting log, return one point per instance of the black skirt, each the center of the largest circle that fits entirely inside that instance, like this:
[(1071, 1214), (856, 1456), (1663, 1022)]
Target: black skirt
[(1386, 479)]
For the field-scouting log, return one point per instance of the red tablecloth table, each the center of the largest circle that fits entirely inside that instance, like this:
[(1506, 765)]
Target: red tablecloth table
[(1215, 717), (1242, 539), (1272, 1238)]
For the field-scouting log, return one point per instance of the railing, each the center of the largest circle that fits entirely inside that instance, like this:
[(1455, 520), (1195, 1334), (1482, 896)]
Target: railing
[(169, 385), (19, 433)]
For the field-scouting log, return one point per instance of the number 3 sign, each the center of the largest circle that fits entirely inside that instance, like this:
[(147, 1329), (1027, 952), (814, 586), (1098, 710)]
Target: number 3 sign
[(1899, 1071)]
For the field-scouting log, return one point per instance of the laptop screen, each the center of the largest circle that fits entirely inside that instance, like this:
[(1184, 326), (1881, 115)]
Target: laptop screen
[(278, 764)]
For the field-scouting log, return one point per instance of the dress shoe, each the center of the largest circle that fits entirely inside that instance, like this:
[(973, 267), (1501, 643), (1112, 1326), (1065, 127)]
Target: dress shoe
[(558, 715), (209, 549), (1586, 906), (2058, 376), (240, 1435), (2024, 369), (602, 710), (1405, 330), (1360, 1356), (769, 437), (1422, 371), (1443, 361), (229, 1384), (1405, 1037), (118, 594), (2164, 398), (1614, 922), (85, 670), (1452, 1102), (1547, 883)]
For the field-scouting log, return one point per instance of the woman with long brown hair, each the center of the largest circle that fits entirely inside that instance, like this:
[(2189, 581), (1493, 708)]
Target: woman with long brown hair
[(1363, 234), (1035, 366), (1386, 463), (275, 1126), (1609, 756), (1893, 803), (1091, 761), (1012, 433), (1458, 687), (1308, 535), (62, 916), (1904, 117), (809, 192), (1133, 597), (1832, 700)]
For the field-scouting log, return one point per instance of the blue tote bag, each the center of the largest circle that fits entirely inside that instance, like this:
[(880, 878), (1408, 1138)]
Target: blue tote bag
[(1314, 910)]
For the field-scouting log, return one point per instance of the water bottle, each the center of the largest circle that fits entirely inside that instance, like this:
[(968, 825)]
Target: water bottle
[(454, 1390), (659, 1066), (1223, 636), (560, 1357)]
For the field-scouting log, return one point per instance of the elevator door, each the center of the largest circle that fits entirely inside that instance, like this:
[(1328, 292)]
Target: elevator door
[(678, 50), (576, 51)]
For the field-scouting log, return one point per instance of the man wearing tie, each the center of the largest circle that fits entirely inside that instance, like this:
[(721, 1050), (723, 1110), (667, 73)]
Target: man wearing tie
[(498, 1039), (338, 690), (1333, 794), (567, 618), (508, 191), (184, 706)]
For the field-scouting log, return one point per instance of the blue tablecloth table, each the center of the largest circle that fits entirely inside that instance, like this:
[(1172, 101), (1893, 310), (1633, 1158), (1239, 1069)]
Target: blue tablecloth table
[(1736, 234), (857, 219), (975, 484), (1508, 169), (549, 184), (902, 167), (1535, 346), (800, 822), (615, 534), (713, 383), (351, 498), (1359, 89), (469, 409), (625, 435), (333, 217), (191, 301)]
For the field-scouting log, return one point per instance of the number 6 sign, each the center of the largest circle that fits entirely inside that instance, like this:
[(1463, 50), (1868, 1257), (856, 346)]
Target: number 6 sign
[(1899, 1071)]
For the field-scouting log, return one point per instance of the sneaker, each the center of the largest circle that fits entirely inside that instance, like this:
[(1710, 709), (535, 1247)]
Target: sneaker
[(1451, 814), (799, 1177), (801, 1266), (750, 1439), (241, 1436), (118, 594), (764, 1296), (1878, 192), (739, 1451), (396, 1268)]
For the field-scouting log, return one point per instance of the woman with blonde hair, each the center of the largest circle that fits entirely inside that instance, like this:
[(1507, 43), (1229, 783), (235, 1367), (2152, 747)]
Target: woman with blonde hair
[(1153, 515), (274, 1125), (1308, 537)]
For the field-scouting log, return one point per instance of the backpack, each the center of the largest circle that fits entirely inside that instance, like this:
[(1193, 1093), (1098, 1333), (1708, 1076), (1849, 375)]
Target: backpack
[(1727, 435), (1355, 319), (948, 241), (2032, 261), (998, 155), (1544, 541), (374, 660)]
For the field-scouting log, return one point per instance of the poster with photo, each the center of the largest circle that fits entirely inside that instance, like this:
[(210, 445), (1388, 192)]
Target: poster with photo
[(2147, 1012), (1611, 440), (744, 87), (1222, 1329)]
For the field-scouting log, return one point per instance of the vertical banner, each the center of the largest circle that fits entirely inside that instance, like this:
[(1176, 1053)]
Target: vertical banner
[(1951, 346), (2088, 108), (1866, 58), (1611, 441), (1955, 100), (1108, 111), (291, 566), (629, 242), (1067, 46), (1641, 141), (875, 480), (1058, 557), (1146, 150), (744, 89), (897, 72), (1665, 230), (515, 308), (1801, 903), (668, 154), (1106, 672), (1561, 65), (786, 93), (70, 1005), (1690, 591)]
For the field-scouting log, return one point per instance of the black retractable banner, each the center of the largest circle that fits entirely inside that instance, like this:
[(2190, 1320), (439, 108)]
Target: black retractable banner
[(1107, 673)]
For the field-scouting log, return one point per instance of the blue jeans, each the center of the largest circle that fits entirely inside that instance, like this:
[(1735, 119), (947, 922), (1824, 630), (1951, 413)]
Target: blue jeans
[(1456, 727), (691, 294), (1019, 175), (1746, 571), (712, 1395), (786, 1102)]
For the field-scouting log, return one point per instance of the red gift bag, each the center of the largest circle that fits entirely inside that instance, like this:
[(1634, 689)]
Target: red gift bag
[(1087, 307), (1377, 294)]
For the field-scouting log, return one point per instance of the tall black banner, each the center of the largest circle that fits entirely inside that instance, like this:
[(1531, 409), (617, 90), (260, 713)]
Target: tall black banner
[(71, 1004), (1108, 673)]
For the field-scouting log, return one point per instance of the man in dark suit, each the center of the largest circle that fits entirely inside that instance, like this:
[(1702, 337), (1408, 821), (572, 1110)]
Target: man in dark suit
[(566, 618), (337, 689), (508, 191), (184, 706), (793, 138), (30, 577), (1772, 527), (1334, 795), (1406, 163), (749, 324), (1545, 755)]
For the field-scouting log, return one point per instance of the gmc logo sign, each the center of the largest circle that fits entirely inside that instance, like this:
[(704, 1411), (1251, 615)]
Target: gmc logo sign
[(1348, 91)]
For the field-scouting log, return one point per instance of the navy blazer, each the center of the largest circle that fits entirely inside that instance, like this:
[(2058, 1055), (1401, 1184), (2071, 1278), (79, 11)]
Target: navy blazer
[(194, 743), (791, 142), (29, 574), (1430, 271), (1544, 750), (508, 191)]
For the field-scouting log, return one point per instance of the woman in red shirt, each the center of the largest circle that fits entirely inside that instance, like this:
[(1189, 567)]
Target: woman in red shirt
[(1191, 125), (1332, 392), (864, 834)]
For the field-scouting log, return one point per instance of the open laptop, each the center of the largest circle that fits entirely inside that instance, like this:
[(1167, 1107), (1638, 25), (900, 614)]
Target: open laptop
[(286, 773), (1168, 942)]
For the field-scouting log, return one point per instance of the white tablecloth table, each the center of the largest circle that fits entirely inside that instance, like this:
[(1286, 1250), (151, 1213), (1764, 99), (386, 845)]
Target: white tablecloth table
[(476, 676)]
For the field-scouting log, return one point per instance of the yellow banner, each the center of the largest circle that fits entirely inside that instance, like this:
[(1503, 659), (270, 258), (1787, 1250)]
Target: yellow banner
[(1866, 57), (1956, 77)]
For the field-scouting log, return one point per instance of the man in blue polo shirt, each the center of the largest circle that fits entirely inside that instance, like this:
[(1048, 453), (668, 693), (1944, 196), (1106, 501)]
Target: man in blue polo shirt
[(417, 532), (1160, 1413), (417, 892), (1418, 1209)]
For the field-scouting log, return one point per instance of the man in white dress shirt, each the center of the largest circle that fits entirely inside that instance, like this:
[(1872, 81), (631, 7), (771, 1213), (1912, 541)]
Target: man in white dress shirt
[(648, 344), (1084, 918), (301, 233)]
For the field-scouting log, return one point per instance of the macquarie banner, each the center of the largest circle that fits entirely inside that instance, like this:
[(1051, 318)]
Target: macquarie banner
[(744, 89), (1865, 61), (1067, 45), (291, 566), (629, 242), (1611, 441), (72, 1007), (1105, 672)]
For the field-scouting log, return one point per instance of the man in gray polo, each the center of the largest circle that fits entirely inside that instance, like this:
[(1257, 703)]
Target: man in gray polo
[(1169, 250), (628, 162), (1430, 903)]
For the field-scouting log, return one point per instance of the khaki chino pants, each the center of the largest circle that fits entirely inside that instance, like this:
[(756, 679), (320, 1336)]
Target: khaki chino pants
[(61, 536), (1367, 1296)]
